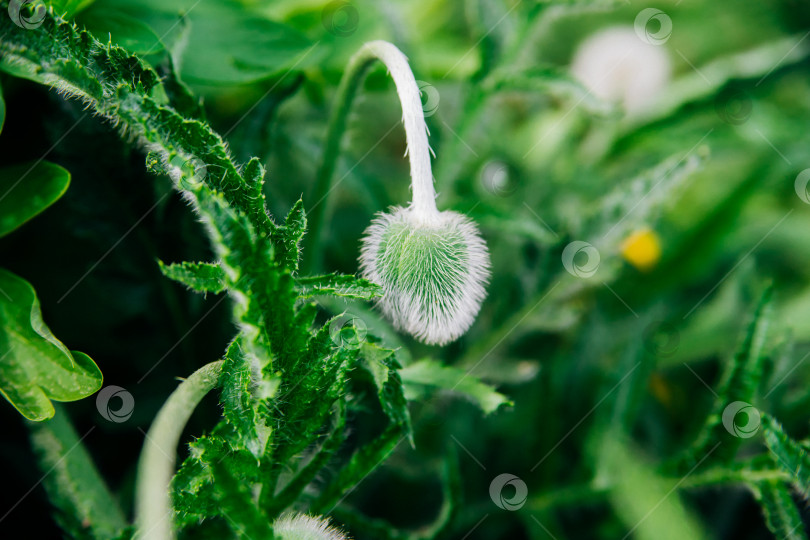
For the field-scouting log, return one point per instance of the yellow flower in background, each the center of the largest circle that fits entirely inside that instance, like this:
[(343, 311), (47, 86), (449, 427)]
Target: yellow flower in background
[(642, 249)]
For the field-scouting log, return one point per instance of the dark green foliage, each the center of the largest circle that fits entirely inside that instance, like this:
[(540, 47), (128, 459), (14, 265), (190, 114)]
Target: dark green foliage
[(312, 405), (85, 507)]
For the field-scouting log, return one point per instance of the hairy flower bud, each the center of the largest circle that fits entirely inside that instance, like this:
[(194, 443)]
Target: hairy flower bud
[(304, 527), (433, 270), (431, 265)]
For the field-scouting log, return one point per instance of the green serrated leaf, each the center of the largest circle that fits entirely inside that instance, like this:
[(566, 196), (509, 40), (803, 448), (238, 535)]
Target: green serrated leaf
[(290, 236), (382, 364), (35, 367), (781, 515), (738, 385), (86, 508), (790, 456), (28, 189), (341, 285), (426, 376), (200, 277)]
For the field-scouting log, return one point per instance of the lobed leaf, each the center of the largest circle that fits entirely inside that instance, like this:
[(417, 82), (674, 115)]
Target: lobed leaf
[(35, 367)]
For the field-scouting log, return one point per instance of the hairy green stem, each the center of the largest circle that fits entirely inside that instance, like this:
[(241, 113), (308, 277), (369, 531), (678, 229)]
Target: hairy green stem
[(424, 194), (153, 509)]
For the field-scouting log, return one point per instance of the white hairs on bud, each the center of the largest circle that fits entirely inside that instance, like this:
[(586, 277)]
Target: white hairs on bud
[(433, 271), (304, 527)]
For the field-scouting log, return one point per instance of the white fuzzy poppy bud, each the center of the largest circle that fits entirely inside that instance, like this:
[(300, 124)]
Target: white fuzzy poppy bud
[(304, 527), (433, 271), (431, 265)]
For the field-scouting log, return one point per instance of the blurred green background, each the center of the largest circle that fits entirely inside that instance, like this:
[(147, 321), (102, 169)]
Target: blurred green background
[(610, 374)]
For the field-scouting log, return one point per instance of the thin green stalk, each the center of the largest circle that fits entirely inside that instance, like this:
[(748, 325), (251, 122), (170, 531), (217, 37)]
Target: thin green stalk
[(153, 509), (423, 193), (346, 92)]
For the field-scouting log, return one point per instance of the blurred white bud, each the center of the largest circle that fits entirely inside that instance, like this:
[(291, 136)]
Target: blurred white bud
[(304, 527), (617, 66)]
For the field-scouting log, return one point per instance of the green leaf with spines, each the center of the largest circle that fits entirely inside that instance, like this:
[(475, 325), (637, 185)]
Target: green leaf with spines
[(790, 455), (238, 400), (197, 276), (290, 235), (36, 367), (426, 376), (381, 363), (341, 285), (740, 382), (781, 515), (236, 502), (362, 462)]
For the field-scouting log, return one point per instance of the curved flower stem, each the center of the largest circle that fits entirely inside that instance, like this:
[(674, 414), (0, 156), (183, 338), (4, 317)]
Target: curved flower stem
[(416, 134), (153, 509)]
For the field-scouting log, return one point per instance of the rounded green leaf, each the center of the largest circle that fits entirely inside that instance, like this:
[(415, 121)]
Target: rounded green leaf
[(28, 189), (35, 367)]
